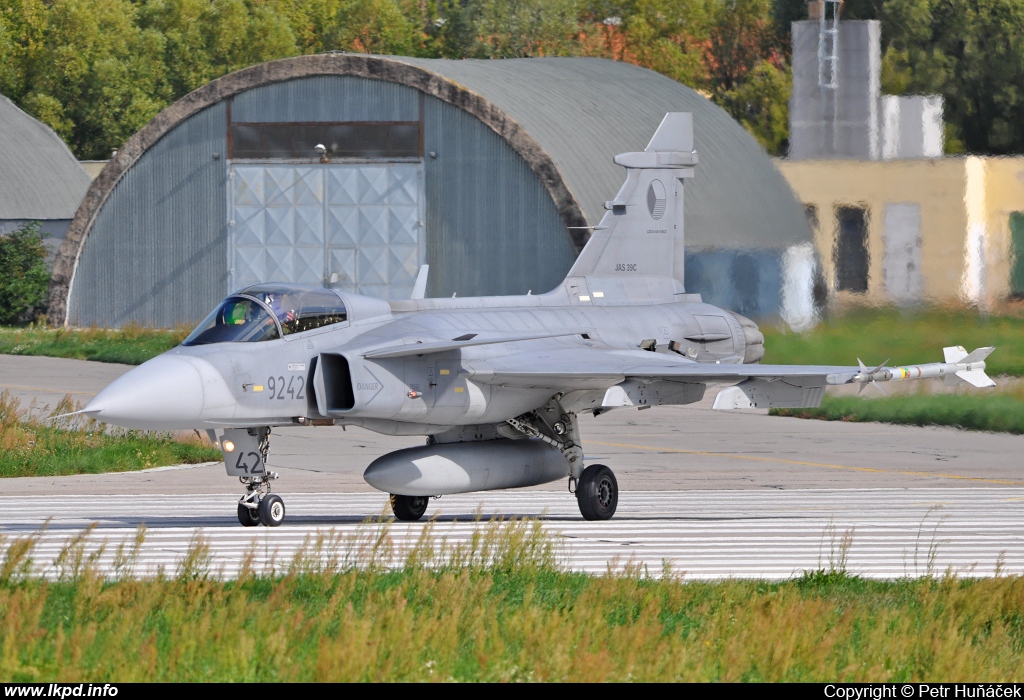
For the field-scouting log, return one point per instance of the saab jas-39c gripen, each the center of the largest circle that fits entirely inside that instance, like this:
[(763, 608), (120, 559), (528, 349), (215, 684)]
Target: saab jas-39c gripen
[(495, 383)]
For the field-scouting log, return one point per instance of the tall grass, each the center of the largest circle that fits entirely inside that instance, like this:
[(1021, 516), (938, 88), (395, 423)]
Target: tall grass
[(902, 336), (996, 412), (498, 609), (130, 345), (33, 445)]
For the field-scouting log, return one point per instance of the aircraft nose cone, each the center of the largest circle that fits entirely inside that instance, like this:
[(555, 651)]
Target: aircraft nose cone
[(166, 393)]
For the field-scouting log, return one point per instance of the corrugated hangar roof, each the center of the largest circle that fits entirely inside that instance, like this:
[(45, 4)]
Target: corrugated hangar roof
[(565, 117), (584, 111), (39, 176)]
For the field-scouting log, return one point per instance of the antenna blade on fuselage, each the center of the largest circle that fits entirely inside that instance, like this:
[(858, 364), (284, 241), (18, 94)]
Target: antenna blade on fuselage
[(419, 290)]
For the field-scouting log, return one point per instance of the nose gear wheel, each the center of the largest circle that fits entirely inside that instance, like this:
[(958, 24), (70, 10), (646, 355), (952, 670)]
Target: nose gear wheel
[(249, 517), (271, 510)]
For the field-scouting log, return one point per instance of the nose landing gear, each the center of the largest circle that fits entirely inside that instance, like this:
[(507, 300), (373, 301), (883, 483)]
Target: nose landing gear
[(245, 456), (258, 506), (272, 510)]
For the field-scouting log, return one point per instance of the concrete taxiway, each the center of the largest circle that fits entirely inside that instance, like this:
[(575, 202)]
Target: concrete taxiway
[(713, 493), (706, 534)]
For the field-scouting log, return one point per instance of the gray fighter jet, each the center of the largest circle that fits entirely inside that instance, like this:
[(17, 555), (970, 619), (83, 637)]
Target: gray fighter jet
[(495, 383)]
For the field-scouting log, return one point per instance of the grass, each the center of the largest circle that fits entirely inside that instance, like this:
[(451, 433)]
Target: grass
[(1003, 412), (901, 336), (498, 609), (35, 446), (910, 337), (131, 345)]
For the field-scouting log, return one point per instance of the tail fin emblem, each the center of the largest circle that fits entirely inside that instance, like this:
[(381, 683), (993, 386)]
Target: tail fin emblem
[(656, 199)]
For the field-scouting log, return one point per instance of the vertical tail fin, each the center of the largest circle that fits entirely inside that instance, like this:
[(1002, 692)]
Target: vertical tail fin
[(638, 235)]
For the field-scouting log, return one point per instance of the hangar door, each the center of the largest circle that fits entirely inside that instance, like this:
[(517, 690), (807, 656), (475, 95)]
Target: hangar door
[(354, 226)]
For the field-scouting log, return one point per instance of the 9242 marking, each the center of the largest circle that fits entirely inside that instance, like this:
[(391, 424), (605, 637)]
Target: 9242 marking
[(281, 388)]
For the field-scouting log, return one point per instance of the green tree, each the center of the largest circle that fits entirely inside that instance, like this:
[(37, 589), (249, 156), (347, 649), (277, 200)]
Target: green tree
[(449, 30), (86, 69), (669, 37), (522, 28), (748, 71), (205, 39), (372, 26), (970, 53), (23, 285), (761, 104), (741, 36)]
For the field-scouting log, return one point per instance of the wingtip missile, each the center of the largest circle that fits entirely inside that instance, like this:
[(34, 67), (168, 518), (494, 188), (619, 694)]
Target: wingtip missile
[(959, 366)]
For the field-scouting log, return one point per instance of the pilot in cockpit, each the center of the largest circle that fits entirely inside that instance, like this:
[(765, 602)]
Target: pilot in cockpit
[(283, 306)]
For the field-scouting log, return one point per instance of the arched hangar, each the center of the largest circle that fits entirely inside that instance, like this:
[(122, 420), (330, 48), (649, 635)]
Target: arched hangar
[(40, 179), (351, 170)]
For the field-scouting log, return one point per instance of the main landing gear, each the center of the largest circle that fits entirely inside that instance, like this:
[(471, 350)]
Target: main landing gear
[(597, 491), (409, 508)]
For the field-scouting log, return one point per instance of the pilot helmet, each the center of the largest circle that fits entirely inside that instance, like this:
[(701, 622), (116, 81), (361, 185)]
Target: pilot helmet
[(236, 314)]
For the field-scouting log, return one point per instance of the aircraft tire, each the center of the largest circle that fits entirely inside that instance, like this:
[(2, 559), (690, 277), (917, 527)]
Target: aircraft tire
[(248, 516), (272, 510), (597, 493), (408, 508)]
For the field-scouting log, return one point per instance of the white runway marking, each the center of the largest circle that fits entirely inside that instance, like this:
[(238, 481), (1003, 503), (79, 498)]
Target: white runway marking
[(697, 534)]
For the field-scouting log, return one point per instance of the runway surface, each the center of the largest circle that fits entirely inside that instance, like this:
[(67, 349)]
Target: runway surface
[(695, 534)]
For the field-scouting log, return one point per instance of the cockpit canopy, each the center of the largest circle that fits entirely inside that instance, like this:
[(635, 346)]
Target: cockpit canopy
[(267, 312)]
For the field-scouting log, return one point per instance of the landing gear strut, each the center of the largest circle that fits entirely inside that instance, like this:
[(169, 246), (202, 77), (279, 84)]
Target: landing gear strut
[(245, 456), (258, 506), (597, 491)]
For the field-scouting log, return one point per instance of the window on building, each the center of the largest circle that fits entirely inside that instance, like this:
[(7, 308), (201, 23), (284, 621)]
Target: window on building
[(851, 251), (279, 140), (1017, 254)]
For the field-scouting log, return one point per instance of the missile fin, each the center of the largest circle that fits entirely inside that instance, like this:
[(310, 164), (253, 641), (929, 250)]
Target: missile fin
[(954, 353), (863, 375), (976, 377), (976, 356)]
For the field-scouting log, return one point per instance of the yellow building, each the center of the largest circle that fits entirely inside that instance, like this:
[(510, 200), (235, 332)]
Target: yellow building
[(938, 229)]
